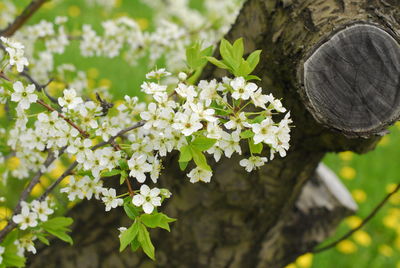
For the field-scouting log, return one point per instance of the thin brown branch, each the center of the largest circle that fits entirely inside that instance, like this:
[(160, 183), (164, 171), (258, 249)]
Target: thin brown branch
[(24, 195), (22, 18), (11, 225), (69, 121), (352, 231)]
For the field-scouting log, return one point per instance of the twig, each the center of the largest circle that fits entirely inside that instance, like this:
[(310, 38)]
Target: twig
[(74, 164), (11, 224), (69, 121), (22, 18), (38, 86), (369, 217), (36, 178)]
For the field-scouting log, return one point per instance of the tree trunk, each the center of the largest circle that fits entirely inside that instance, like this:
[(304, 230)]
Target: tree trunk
[(336, 65)]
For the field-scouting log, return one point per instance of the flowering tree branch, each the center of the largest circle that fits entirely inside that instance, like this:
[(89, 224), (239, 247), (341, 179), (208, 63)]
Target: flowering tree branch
[(21, 19), (50, 159), (69, 121)]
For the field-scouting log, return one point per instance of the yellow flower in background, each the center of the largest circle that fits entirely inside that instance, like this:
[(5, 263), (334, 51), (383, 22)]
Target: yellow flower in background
[(105, 83), (58, 169), (346, 156), (390, 187), (305, 261), (362, 238), (93, 73), (359, 195), (347, 173), (91, 83), (384, 141), (143, 23), (346, 247), (74, 11), (37, 190), (48, 5), (117, 3), (353, 221), (5, 213), (13, 163), (391, 221), (385, 250), (2, 110)]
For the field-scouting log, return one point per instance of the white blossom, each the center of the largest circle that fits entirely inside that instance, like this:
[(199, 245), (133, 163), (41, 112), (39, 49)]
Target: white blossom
[(23, 95), (148, 199), (110, 200)]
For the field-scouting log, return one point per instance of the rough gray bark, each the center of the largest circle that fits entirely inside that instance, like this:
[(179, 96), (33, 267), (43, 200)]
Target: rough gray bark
[(239, 218)]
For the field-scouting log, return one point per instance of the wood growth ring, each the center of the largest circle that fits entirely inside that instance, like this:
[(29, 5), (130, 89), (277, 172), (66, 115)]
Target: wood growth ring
[(352, 81)]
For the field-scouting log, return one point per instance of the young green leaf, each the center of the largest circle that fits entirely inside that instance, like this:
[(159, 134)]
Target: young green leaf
[(123, 177), (247, 134), (238, 49), (43, 239), (255, 148), (156, 220), (218, 63), (128, 235), (200, 159), (227, 54), (185, 154), (111, 173), (123, 164), (131, 210), (145, 241), (183, 165), (61, 234), (253, 59), (57, 223), (203, 143), (135, 244)]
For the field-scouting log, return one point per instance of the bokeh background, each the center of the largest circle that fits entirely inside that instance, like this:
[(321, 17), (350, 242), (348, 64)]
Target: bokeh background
[(368, 177)]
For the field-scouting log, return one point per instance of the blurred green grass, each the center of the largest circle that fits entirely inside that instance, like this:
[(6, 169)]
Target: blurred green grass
[(367, 176)]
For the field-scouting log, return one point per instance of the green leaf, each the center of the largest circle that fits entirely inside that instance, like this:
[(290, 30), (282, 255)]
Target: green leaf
[(253, 59), (255, 148), (238, 49), (57, 223), (10, 255), (183, 165), (58, 227), (12, 259), (257, 119), (128, 235), (218, 63), (227, 53), (123, 177), (203, 143), (131, 210), (186, 154), (135, 244), (111, 173), (195, 57), (123, 164), (156, 220), (43, 239), (253, 77), (247, 134), (145, 241), (244, 68), (61, 234), (200, 159)]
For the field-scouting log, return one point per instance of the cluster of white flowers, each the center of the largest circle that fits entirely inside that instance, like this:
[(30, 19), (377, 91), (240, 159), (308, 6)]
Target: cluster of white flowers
[(33, 213), (16, 52)]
